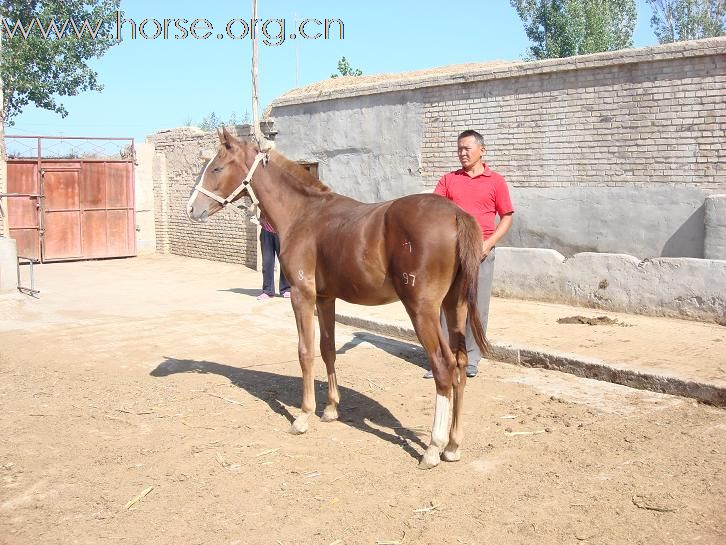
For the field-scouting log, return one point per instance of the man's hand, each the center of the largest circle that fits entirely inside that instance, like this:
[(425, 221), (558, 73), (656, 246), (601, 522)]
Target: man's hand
[(505, 222)]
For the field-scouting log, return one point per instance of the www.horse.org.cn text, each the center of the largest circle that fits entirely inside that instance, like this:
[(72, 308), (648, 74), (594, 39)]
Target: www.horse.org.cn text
[(271, 32)]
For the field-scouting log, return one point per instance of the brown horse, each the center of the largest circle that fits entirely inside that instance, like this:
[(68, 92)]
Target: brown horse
[(421, 249)]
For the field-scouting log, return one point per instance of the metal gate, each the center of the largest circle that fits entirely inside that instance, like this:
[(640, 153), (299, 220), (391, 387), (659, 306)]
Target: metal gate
[(71, 200)]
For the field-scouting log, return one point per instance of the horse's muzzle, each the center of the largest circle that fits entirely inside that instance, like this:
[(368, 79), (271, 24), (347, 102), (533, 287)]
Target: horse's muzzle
[(197, 216)]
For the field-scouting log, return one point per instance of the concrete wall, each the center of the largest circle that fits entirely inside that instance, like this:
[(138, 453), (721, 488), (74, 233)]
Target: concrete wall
[(613, 152), (177, 161), (144, 198), (680, 287), (8, 265), (4, 227), (369, 149), (715, 216), (653, 221)]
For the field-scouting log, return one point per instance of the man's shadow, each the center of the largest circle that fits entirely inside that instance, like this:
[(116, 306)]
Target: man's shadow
[(279, 391), (252, 292)]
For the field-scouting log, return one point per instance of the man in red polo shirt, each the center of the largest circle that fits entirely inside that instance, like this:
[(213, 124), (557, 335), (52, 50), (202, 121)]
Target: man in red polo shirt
[(484, 194)]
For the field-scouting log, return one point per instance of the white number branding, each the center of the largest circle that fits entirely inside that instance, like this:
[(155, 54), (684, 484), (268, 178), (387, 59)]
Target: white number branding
[(407, 277), (300, 275)]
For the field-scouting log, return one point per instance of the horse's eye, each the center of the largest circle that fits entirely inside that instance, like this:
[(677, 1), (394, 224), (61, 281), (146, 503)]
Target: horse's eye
[(217, 169)]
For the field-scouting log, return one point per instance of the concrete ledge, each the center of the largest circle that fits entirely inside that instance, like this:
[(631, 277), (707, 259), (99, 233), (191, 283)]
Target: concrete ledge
[(567, 363), (677, 287)]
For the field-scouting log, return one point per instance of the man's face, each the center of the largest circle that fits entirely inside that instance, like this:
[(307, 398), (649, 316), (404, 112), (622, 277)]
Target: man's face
[(470, 152)]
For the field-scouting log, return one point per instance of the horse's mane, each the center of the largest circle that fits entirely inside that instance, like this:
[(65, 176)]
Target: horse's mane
[(297, 171)]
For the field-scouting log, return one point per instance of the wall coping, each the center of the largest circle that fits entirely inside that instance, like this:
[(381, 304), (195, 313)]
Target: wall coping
[(188, 133), (350, 86)]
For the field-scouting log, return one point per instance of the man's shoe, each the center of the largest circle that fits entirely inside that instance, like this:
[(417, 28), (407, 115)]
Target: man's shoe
[(263, 297), (429, 374), (472, 371), (287, 295)]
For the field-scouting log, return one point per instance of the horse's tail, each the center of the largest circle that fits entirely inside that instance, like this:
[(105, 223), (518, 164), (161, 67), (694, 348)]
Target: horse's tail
[(469, 248)]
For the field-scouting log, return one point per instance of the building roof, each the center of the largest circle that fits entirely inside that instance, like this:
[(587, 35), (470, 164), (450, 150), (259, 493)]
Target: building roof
[(353, 85), (350, 86)]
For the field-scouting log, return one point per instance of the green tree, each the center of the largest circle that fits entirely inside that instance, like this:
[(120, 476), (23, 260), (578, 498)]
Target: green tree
[(344, 69), (564, 28), (210, 122), (676, 20), (213, 121), (46, 46), (235, 120)]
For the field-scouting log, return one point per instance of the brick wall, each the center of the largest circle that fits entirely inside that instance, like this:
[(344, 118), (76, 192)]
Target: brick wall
[(642, 117), (178, 161)]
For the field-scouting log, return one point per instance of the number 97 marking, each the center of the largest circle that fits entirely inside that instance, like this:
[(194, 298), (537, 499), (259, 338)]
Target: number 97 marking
[(411, 277)]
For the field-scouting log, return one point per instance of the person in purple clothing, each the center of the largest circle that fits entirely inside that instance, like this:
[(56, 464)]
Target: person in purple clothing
[(270, 246)]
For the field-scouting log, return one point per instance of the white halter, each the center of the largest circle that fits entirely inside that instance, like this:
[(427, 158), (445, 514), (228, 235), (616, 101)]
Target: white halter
[(253, 208)]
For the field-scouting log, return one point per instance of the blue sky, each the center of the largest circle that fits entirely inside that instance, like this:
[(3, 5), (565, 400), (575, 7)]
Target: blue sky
[(162, 83)]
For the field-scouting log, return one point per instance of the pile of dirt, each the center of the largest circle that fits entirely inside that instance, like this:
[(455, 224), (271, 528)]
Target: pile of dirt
[(600, 320)]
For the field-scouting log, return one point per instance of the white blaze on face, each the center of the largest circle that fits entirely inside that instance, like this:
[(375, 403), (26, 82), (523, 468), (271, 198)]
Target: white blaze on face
[(440, 432)]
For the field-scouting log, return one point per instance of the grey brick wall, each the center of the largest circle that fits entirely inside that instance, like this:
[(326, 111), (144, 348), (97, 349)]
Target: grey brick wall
[(178, 161), (648, 122)]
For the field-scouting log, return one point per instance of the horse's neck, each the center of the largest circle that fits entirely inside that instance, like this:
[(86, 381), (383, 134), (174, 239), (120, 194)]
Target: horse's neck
[(282, 197)]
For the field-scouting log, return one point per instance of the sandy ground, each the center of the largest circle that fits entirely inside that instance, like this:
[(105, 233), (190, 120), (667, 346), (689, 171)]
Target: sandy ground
[(165, 373)]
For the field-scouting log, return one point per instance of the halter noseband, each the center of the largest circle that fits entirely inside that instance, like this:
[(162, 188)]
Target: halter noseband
[(253, 208)]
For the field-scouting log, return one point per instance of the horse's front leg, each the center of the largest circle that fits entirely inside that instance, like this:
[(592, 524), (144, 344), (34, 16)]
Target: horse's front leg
[(303, 305), (326, 320)]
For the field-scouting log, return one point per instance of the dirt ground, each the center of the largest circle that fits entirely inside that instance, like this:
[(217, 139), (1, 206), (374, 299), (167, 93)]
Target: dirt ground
[(164, 375)]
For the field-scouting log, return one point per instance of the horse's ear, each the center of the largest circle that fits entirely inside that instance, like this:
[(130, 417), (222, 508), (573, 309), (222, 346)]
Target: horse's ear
[(227, 140)]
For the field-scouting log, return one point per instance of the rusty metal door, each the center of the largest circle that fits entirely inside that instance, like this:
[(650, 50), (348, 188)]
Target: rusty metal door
[(60, 187), (82, 209)]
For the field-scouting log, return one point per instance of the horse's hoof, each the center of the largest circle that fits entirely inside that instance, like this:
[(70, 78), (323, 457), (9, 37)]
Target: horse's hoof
[(429, 460), (451, 455), (329, 415), (298, 428)]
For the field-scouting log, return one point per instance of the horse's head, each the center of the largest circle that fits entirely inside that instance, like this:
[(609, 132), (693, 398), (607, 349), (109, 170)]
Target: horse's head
[(222, 177)]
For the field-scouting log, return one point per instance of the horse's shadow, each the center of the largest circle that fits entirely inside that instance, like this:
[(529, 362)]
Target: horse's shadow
[(280, 391), (408, 352)]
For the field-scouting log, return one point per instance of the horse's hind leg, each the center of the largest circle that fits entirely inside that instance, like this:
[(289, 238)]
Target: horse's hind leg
[(455, 311), (442, 360), (326, 320)]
